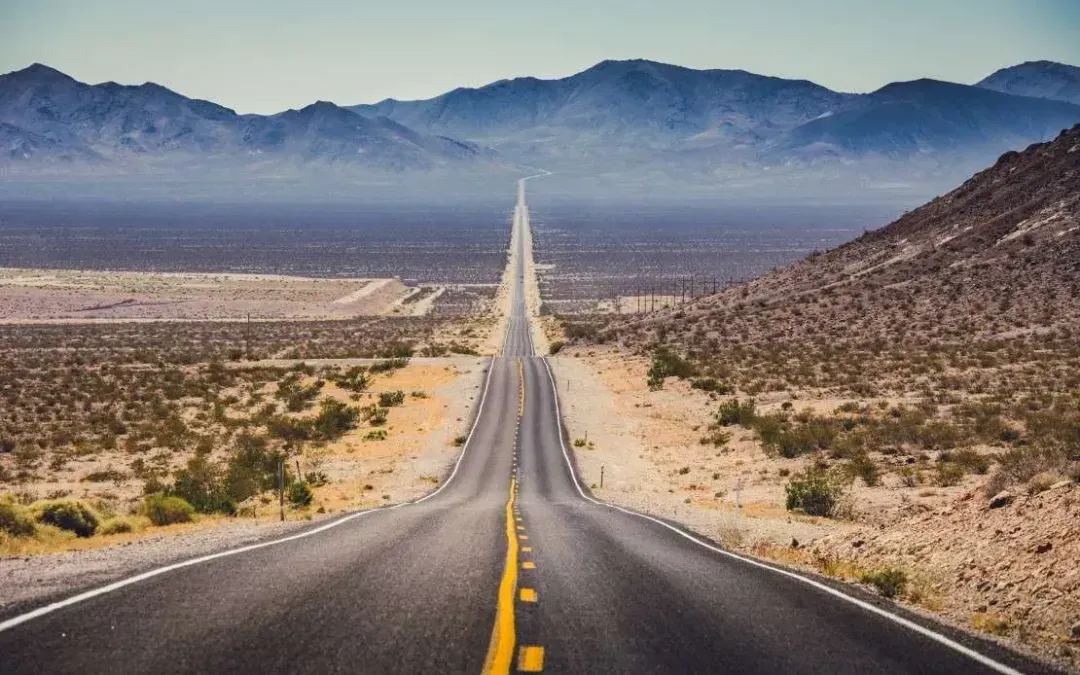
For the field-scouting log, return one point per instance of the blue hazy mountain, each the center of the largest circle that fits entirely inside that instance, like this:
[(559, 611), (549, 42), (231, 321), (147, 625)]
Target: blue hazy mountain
[(1041, 79), (619, 127), (929, 116), (47, 115), (623, 107)]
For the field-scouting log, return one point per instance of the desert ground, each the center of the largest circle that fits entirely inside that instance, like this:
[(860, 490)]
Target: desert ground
[(1003, 569), (49, 296), (116, 384)]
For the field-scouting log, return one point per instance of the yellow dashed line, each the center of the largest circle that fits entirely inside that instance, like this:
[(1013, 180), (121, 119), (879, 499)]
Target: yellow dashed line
[(528, 595), (531, 659), (528, 565), (526, 549)]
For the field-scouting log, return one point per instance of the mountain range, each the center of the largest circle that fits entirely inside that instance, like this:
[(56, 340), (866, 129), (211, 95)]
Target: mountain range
[(617, 118), (47, 116)]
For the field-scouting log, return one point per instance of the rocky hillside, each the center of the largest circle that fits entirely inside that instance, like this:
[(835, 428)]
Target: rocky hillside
[(997, 257)]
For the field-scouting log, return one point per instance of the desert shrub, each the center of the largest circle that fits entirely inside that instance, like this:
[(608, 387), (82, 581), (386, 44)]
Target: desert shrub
[(579, 331), (251, 468), (375, 435), (555, 347), (335, 419), (460, 439), (13, 522), (203, 484), (863, 467), (716, 438), (377, 418), (300, 494), (1020, 465), (889, 582), (118, 525), (388, 365), (316, 478), (295, 395), (909, 476), (163, 510), (971, 461), (816, 491), (736, 412), (353, 380), (70, 515), (666, 363), (791, 438), (949, 474), (711, 384), (389, 399)]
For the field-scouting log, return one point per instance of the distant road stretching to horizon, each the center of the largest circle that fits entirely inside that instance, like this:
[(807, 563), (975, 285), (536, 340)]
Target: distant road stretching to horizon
[(510, 566)]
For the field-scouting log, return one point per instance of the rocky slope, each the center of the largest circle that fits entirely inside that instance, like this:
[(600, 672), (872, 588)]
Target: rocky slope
[(997, 257)]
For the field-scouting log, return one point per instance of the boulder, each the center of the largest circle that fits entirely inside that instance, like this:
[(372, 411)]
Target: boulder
[(1003, 498)]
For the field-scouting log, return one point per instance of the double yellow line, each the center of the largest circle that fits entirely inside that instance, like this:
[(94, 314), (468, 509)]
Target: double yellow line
[(500, 654)]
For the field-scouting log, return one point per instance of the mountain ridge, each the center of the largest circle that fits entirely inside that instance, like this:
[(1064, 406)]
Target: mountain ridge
[(52, 117)]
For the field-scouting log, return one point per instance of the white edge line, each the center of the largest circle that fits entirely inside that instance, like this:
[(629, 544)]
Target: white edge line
[(117, 585), (907, 623)]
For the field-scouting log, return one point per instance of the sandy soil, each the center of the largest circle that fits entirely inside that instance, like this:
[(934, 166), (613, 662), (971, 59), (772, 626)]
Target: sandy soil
[(28, 296), (418, 449), (648, 444), (415, 456), (1008, 573)]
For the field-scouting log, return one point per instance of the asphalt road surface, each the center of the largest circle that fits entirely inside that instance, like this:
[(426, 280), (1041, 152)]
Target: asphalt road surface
[(509, 566)]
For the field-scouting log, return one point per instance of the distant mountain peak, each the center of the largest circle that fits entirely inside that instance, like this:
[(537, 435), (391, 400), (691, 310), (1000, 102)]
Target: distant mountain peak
[(40, 71), (1039, 79)]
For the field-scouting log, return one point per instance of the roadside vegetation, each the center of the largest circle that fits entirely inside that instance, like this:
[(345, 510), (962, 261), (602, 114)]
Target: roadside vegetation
[(129, 431)]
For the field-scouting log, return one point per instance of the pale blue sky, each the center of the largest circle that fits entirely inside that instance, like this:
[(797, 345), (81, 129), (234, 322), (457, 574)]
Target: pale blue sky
[(270, 55)]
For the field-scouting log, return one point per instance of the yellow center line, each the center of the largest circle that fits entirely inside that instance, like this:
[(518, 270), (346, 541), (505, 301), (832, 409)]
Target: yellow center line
[(500, 653)]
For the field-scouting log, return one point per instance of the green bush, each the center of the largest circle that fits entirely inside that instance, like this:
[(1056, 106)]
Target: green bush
[(300, 494), (204, 485), (70, 515), (353, 380), (162, 510), (555, 347), (667, 363), (736, 412), (13, 522), (711, 384), (889, 582), (335, 419), (388, 366), (389, 399), (816, 491), (949, 474), (865, 468)]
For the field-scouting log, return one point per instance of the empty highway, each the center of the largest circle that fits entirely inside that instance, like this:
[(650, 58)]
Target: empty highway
[(510, 566)]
